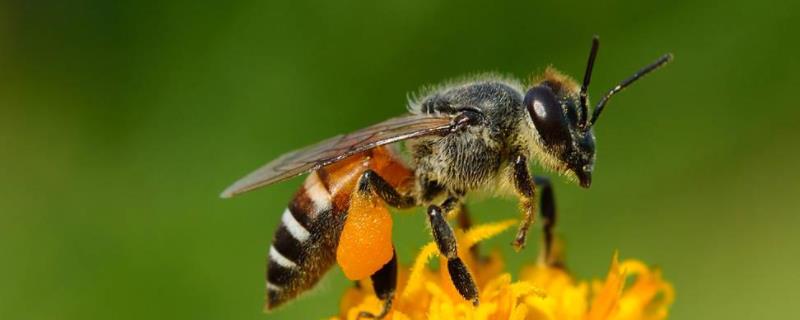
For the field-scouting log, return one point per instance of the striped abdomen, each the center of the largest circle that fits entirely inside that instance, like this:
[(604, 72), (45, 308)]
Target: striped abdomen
[(304, 246)]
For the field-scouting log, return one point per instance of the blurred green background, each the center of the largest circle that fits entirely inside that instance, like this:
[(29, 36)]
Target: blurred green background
[(121, 123)]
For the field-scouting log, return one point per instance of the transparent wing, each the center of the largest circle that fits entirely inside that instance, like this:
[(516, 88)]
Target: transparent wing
[(337, 148)]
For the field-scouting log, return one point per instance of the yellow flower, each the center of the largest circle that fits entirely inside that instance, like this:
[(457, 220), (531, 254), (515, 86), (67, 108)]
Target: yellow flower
[(542, 291)]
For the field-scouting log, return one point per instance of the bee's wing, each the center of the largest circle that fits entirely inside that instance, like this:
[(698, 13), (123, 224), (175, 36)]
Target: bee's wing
[(337, 148)]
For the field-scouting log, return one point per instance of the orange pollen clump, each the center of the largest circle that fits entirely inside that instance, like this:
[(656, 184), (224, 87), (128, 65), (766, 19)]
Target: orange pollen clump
[(366, 241)]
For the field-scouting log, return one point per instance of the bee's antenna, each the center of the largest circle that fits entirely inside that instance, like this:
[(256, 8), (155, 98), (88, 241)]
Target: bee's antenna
[(587, 77), (625, 83)]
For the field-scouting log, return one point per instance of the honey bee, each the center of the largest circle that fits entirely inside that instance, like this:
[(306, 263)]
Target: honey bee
[(462, 137)]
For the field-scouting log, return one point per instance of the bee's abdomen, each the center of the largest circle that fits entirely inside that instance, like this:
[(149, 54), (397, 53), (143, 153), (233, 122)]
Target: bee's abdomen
[(304, 245)]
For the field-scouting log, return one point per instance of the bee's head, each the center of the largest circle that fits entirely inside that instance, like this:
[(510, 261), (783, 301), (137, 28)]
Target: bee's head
[(565, 143), (558, 108)]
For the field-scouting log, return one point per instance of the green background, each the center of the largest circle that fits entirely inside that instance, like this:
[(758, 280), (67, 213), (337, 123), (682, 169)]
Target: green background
[(121, 123)]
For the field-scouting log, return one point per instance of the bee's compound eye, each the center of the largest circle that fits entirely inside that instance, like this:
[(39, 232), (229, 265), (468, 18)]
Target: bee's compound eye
[(547, 115)]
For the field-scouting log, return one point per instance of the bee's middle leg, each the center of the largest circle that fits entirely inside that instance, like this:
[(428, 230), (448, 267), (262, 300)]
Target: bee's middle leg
[(446, 242), (464, 220)]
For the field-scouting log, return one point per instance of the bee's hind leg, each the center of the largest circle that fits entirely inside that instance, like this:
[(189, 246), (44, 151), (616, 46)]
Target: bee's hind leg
[(446, 242), (372, 183), (384, 282)]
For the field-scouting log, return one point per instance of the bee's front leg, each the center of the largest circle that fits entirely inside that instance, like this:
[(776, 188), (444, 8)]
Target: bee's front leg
[(523, 183), (547, 205), (446, 242)]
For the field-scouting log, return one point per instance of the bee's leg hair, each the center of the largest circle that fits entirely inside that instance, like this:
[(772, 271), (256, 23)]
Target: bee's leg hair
[(446, 242), (371, 182), (384, 282)]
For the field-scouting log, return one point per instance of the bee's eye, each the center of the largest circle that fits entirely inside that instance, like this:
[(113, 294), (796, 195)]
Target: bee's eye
[(547, 115)]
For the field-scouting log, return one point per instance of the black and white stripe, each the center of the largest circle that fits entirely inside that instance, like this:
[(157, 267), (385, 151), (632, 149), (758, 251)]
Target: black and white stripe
[(318, 193), (295, 228), (277, 257), (286, 252), (304, 246)]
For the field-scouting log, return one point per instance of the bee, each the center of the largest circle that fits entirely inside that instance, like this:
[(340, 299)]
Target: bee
[(462, 138)]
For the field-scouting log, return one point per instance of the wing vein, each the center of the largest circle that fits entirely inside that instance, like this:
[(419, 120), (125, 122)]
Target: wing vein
[(340, 147)]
